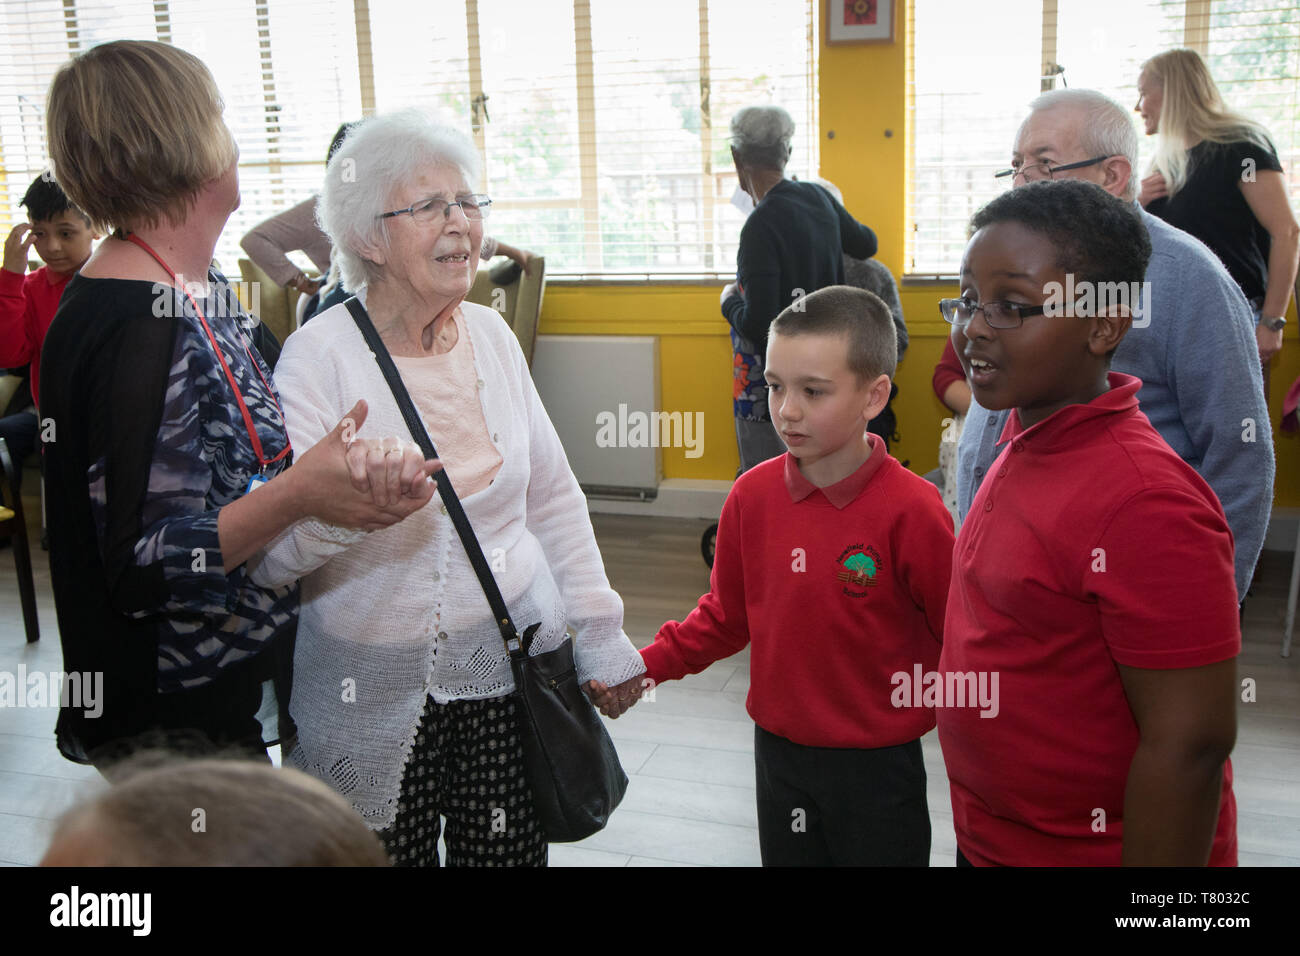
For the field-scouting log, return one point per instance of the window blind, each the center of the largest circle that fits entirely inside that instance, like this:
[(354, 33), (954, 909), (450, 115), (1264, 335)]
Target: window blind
[(1254, 56), (972, 77), (971, 84), (33, 42), (286, 70), (603, 127), (606, 142)]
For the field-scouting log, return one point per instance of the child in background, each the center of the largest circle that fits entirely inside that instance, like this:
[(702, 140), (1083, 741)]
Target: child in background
[(161, 811), (1094, 572), (833, 561), (62, 236)]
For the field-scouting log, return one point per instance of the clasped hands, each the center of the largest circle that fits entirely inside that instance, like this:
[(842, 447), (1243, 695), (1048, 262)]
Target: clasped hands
[(616, 700), (365, 483)]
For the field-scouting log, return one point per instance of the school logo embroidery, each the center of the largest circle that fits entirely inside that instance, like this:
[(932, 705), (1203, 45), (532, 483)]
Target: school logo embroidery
[(859, 569)]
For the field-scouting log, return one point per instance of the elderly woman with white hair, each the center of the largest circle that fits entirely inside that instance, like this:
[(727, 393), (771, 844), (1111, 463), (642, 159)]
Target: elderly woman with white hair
[(402, 683), (792, 244)]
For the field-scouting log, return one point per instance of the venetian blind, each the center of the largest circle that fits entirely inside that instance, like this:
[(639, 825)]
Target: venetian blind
[(603, 129), (1254, 55), (971, 83)]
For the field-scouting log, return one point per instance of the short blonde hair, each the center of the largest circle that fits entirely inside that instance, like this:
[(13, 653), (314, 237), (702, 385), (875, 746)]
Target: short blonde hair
[(135, 131)]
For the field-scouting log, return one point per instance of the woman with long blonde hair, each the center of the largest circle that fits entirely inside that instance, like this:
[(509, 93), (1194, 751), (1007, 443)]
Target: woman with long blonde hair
[(1216, 175)]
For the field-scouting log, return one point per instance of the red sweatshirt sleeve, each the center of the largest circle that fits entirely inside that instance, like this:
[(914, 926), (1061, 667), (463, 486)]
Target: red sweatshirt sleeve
[(17, 322), (924, 547), (718, 627), (948, 370)]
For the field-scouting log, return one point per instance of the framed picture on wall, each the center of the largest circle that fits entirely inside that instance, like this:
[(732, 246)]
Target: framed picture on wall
[(860, 21)]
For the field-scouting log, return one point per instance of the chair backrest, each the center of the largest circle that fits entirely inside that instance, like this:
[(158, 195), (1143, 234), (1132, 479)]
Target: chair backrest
[(519, 301), (9, 485), (9, 385), (276, 304)]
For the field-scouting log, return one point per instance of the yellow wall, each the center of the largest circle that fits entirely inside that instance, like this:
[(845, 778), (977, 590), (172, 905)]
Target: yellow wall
[(694, 356), (863, 95)]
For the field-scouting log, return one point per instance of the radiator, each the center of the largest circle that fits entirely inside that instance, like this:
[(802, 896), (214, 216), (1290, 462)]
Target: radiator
[(600, 391)]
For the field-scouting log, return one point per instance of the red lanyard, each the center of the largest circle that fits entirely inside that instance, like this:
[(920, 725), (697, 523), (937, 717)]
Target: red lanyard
[(239, 398)]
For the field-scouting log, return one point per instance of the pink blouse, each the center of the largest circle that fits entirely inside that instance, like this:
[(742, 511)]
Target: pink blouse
[(445, 389)]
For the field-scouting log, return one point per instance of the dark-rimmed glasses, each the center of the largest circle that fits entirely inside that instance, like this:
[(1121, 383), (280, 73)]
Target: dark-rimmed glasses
[(428, 210), (999, 315), (1046, 170)]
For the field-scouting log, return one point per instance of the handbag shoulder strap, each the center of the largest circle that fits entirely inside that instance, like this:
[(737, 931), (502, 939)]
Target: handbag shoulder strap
[(449, 498)]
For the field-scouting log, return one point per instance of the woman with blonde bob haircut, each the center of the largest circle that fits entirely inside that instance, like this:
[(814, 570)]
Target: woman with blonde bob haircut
[(149, 138), (171, 464), (1216, 175), (402, 683)]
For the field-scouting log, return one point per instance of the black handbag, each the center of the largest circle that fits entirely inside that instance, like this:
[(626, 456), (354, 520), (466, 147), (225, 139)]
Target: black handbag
[(570, 761)]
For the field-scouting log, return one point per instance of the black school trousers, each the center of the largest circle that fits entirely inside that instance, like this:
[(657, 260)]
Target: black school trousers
[(829, 806)]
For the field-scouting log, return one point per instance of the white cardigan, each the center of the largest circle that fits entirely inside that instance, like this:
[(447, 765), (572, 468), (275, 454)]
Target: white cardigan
[(392, 616)]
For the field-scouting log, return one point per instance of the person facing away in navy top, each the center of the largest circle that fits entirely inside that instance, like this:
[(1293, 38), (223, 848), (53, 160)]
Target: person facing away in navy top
[(792, 244)]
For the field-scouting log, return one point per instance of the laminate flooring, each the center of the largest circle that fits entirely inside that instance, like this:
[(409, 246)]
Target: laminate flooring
[(689, 752)]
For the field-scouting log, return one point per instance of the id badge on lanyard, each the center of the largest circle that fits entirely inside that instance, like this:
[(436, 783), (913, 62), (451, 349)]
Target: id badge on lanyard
[(260, 478), (257, 481)]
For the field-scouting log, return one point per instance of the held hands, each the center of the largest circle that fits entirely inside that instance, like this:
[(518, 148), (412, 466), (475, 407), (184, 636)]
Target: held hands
[(1153, 187), (20, 240), (616, 700), (361, 483), (390, 469), (728, 291)]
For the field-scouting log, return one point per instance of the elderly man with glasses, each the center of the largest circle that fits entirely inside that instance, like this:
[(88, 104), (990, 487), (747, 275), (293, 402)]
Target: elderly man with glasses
[(1192, 342)]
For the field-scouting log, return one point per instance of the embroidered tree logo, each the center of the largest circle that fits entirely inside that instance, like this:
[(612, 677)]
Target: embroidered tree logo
[(861, 563), (860, 568)]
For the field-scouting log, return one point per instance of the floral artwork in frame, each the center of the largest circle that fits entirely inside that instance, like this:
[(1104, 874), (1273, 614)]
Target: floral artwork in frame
[(860, 21)]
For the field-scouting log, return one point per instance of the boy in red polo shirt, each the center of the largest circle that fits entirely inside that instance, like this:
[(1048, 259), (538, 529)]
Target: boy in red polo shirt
[(62, 235), (833, 563), (1093, 575)]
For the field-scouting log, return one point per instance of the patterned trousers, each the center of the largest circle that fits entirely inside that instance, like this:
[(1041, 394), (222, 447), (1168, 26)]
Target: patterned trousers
[(466, 764)]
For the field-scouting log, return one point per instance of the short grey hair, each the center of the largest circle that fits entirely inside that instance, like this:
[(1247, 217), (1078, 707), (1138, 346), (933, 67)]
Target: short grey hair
[(378, 155), (761, 136), (1105, 127)]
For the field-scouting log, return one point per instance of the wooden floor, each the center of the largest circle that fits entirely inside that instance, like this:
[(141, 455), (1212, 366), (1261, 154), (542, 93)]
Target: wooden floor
[(690, 751)]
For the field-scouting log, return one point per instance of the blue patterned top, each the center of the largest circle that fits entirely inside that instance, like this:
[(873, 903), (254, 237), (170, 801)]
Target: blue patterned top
[(203, 459), (146, 417)]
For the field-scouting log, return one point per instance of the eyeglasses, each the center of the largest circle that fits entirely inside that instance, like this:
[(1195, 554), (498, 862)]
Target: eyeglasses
[(999, 315), (427, 210), (1046, 170)]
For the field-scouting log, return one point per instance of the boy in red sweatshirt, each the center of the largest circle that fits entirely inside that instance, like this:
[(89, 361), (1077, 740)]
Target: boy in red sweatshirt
[(62, 236), (833, 563), (1094, 572)]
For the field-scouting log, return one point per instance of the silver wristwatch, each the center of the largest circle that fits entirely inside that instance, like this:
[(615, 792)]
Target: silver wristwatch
[(1273, 325)]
